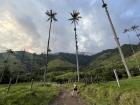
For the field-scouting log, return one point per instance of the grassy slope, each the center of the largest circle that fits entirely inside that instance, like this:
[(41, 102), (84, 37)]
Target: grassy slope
[(132, 61), (59, 63), (114, 61), (110, 94), (22, 95)]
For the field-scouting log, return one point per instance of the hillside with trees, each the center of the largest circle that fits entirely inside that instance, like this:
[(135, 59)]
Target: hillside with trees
[(62, 66)]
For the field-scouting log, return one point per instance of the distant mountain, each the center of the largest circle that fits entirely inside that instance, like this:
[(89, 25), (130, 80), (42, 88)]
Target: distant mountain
[(34, 64), (30, 60)]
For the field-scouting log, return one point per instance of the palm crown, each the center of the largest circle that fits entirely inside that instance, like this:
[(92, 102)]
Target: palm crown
[(126, 30), (75, 16), (10, 51), (51, 15), (135, 28)]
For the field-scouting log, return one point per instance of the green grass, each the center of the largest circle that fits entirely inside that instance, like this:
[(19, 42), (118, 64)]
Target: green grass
[(22, 95), (110, 94)]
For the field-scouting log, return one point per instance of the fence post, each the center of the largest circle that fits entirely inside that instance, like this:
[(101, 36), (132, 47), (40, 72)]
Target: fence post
[(1, 77), (9, 85), (91, 79), (32, 81), (116, 76), (17, 79)]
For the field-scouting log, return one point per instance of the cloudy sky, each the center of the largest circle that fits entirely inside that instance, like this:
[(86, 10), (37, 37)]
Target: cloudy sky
[(23, 24)]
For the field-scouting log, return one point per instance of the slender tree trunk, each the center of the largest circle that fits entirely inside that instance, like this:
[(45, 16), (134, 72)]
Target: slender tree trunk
[(32, 81), (46, 61), (134, 54), (77, 58), (117, 40), (1, 76), (9, 86), (4, 67), (17, 79), (117, 78)]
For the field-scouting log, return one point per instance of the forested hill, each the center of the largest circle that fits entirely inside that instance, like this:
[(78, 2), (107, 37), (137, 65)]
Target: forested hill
[(59, 64), (84, 59)]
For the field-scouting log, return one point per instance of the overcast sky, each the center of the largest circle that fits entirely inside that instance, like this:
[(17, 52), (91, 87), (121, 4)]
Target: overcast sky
[(23, 24)]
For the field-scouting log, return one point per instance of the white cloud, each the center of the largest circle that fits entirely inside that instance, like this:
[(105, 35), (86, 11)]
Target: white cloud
[(12, 35), (23, 24)]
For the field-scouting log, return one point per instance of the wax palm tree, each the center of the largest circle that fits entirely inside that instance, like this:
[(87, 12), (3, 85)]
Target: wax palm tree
[(135, 28), (133, 51), (116, 38), (51, 17), (9, 52), (74, 20)]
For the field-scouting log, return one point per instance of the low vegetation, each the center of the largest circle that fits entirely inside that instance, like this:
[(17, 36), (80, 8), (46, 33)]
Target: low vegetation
[(111, 94), (22, 94)]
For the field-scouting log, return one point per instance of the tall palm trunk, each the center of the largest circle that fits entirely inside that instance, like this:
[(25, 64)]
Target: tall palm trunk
[(134, 54), (46, 60), (77, 59), (116, 39)]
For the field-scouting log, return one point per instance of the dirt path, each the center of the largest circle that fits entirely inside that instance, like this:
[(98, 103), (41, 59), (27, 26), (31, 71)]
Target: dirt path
[(65, 98)]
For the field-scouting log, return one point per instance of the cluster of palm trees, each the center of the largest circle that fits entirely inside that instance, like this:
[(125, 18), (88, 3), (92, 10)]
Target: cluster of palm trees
[(135, 29), (75, 16), (105, 6)]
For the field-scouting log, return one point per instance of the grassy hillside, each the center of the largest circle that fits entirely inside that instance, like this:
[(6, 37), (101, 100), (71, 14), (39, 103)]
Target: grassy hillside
[(132, 61), (60, 63), (22, 95), (110, 94), (110, 59)]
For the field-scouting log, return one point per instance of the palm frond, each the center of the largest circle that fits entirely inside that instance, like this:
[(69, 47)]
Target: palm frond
[(54, 19), (10, 51), (51, 15), (135, 28), (75, 16), (49, 19), (126, 30)]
